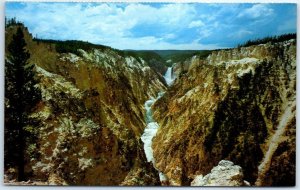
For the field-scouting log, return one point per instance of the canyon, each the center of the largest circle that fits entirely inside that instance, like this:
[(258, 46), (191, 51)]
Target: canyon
[(236, 105), (110, 118)]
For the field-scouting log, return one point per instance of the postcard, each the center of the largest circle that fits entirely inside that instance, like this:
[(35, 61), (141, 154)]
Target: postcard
[(150, 94)]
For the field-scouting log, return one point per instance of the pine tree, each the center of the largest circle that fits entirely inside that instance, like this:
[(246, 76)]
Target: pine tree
[(21, 96)]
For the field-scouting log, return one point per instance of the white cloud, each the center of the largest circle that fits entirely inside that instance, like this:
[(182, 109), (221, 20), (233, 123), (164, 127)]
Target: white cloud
[(209, 17), (197, 23), (240, 34), (169, 36), (204, 33), (99, 22), (148, 25), (256, 11)]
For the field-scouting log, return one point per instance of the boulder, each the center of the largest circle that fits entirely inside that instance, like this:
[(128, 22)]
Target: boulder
[(225, 174)]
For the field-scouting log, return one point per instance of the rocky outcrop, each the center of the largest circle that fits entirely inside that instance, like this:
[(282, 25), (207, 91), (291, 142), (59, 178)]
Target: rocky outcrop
[(91, 117), (180, 68), (230, 106), (224, 174)]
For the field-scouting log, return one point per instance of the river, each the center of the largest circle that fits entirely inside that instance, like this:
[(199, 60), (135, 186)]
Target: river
[(152, 126)]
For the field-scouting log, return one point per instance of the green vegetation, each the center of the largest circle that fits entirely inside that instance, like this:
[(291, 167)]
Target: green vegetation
[(126, 53), (21, 96), (12, 22), (71, 46), (159, 58), (154, 60), (273, 39), (180, 55), (147, 55)]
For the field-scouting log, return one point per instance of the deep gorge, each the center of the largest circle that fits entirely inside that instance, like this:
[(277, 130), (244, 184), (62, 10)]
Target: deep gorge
[(110, 118)]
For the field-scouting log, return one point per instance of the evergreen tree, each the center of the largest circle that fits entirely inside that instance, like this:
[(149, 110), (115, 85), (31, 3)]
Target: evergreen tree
[(20, 97)]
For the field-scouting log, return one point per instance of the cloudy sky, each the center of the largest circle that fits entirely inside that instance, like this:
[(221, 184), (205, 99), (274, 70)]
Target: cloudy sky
[(155, 25)]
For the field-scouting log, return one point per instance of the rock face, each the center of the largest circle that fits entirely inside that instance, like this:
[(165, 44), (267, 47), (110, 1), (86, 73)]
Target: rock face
[(225, 174), (237, 105), (91, 117), (233, 105)]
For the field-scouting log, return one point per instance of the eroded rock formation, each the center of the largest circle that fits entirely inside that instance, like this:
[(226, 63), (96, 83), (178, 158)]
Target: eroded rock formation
[(224, 174), (229, 106), (91, 117)]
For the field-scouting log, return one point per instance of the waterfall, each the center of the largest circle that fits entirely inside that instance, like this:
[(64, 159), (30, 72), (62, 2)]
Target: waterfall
[(275, 141), (149, 133), (169, 76)]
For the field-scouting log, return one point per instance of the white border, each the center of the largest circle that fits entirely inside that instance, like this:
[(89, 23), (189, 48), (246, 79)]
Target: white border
[(2, 38), (165, 1)]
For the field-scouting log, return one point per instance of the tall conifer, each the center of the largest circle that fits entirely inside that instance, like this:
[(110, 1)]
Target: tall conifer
[(21, 96)]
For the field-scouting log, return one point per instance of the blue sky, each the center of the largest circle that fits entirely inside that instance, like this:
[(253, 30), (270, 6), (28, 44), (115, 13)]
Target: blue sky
[(155, 25)]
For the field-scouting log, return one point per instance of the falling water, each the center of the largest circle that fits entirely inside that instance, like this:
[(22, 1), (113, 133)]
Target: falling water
[(152, 126), (149, 133), (276, 139), (169, 76)]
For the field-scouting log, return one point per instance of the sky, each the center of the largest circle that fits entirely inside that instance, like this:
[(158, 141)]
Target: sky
[(149, 26)]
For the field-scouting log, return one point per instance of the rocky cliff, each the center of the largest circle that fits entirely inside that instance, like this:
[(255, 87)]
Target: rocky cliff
[(236, 105), (91, 116)]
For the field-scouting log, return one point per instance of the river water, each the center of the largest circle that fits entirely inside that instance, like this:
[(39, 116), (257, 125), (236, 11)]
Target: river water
[(152, 126)]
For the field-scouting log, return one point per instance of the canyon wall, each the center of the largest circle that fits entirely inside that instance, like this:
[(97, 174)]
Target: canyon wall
[(238, 105), (90, 118)]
